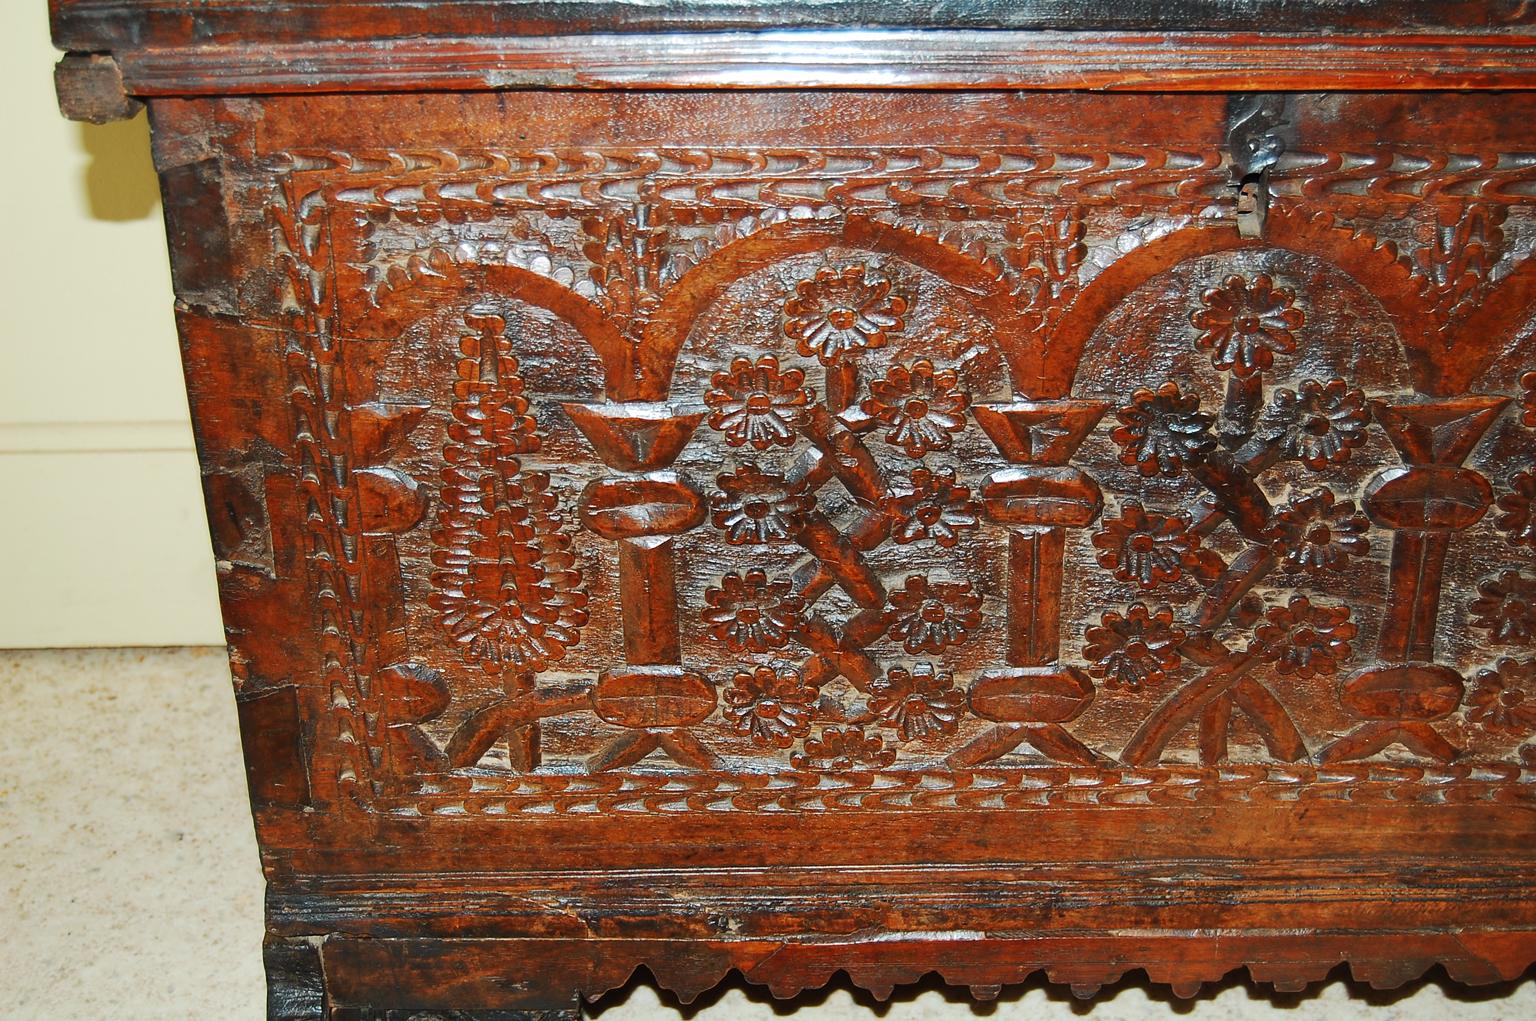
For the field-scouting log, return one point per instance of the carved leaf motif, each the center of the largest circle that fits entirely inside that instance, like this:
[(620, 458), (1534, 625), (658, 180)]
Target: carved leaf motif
[(627, 254), (1462, 245), (1046, 257)]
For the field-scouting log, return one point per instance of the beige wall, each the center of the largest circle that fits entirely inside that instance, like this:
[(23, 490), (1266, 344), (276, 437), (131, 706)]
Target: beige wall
[(102, 538)]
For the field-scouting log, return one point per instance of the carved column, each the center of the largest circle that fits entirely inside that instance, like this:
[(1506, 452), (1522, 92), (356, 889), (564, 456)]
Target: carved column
[(1037, 501)]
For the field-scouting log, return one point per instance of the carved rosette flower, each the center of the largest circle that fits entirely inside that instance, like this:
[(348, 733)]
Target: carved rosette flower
[(1505, 697), (772, 707), (1137, 648), (935, 508), (1319, 424), (1243, 325), (840, 311), (1304, 639), (758, 403), (1528, 381), (923, 407), (754, 507), (751, 613), (1161, 431), (932, 616), (1316, 534), (918, 702), (1506, 607), (1144, 546), (841, 749), (1518, 520)]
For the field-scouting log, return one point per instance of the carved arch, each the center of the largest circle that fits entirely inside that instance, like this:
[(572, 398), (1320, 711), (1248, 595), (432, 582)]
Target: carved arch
[(703, 284), (1375, 266), (404, 302)]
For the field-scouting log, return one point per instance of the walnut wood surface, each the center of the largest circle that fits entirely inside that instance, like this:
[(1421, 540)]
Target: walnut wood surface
[(888, 531), (240, 47), (93, 25)]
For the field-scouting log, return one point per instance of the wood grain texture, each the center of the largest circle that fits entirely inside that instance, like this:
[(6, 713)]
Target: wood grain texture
[(96, 25), (888, 531), (841, 58)]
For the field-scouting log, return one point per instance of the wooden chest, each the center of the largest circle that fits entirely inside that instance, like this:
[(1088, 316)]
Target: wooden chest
[(800, 487)]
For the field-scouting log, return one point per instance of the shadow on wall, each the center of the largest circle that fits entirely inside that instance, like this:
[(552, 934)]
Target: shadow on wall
[(119, 179)]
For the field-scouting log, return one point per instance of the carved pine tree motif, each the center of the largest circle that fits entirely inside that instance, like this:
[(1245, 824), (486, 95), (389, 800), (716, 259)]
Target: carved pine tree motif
[(508, 589)]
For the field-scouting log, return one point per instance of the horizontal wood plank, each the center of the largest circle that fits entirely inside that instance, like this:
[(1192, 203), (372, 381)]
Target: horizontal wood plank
[(114, 24), (844, 59)]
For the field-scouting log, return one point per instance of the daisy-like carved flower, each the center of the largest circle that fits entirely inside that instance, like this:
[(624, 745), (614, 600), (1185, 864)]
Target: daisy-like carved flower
[(931, 616), (1144, 546), (918, 703), (758, 403), (840, 749), (754, 507), (772, 707), (840, 311), (1505, 697), (1140, 647), (1160, 431), (1318, 425), (923, 407), (1518, 520), (1315, 534), (752, 614), (1303, 639), (1506, 607), (1243, 325), (935, 508)]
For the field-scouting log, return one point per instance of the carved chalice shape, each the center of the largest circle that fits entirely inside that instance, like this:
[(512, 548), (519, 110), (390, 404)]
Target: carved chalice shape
[(1425, 501), (643, 510), (1038, 500)]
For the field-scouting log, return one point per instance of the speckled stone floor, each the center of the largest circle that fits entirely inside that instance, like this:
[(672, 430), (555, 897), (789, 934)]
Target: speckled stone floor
[(131, 889)]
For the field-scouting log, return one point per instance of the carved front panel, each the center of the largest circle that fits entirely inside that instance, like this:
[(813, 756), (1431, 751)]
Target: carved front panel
[(875, 478)]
